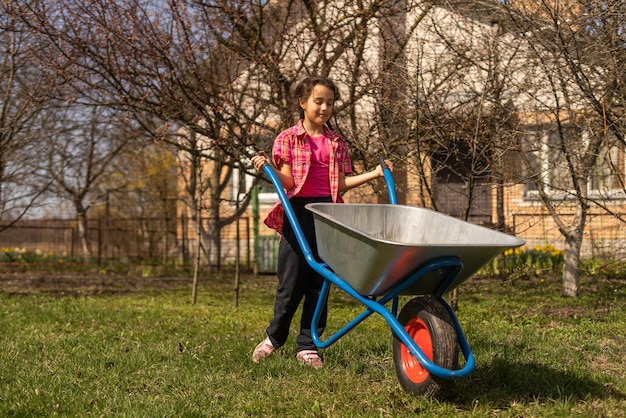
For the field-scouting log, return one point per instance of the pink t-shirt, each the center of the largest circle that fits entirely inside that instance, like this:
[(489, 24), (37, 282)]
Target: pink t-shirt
[(317, 183), (293, 147)]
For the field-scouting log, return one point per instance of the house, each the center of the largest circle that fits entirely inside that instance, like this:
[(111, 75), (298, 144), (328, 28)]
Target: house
[(463, 99)]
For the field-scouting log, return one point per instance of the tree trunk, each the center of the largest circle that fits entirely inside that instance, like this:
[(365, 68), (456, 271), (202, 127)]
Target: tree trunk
[(214, 251), (81, 218), (573, 243), (196, 263)]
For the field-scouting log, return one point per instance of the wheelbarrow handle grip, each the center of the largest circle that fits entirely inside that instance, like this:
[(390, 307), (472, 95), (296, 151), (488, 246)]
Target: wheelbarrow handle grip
[(391, 188), (383, 164)]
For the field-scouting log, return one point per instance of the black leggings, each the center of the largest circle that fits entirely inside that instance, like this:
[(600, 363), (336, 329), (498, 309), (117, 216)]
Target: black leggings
[(297, 281)]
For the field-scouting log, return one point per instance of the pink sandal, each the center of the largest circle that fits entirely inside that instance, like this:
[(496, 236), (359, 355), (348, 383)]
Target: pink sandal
[(310, 358), (263, 350)]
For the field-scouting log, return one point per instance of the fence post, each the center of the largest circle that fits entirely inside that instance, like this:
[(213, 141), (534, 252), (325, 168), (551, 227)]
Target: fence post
[(99, 240), (72, 241), (183, 233), (247, 241), (255, 225), (238, 258)]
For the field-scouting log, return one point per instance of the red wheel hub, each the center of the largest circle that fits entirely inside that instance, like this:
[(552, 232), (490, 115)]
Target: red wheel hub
[(418, 331)]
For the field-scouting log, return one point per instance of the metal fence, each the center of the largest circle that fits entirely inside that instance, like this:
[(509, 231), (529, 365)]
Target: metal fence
[(141, 240), (161, 241), (604, 235)]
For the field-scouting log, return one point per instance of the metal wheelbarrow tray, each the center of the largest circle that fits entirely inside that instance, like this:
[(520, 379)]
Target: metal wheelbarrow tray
[(374, 246)]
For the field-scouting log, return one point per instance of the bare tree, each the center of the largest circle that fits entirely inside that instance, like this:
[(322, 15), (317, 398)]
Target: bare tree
[(145, 186), (81, 157), (157, 62), (281, 42), (541, 85), (142, 191), (580, 49), (25, 91), (222, 71), (458, 93)]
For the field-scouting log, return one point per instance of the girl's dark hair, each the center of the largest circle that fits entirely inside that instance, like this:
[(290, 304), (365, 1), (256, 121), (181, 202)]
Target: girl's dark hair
[(304, 89)]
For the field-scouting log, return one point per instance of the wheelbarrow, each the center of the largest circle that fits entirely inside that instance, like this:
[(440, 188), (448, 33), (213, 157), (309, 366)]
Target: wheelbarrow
[(378, 252)]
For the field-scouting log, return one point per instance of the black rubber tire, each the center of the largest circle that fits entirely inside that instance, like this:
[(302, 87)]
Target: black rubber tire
[(428, 322)]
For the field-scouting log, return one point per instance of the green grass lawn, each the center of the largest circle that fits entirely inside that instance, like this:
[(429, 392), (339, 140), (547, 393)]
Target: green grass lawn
[(150, 353)]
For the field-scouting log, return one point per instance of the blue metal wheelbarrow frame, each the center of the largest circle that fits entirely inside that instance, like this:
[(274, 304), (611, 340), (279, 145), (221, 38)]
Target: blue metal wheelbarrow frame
[(446, 267)]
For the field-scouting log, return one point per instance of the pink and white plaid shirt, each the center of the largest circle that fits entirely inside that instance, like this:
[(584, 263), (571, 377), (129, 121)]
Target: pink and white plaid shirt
[(292, 147)]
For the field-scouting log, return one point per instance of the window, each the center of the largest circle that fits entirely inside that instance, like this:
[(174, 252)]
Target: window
[(548, 164), (242, 182), (556, 165), (608, 174)]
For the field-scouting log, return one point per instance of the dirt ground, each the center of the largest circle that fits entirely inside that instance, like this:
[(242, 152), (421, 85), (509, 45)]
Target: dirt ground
[(83, 280), (81, 285)]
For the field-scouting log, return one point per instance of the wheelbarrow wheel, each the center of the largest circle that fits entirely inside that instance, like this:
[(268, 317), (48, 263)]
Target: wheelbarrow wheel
[(428, 323)]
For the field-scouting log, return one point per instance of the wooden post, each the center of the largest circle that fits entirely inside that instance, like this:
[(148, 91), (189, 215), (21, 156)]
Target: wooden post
[(238, 246)]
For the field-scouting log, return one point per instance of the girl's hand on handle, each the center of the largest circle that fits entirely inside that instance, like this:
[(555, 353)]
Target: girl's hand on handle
[(258, 161), (380, 170), (348, 182)]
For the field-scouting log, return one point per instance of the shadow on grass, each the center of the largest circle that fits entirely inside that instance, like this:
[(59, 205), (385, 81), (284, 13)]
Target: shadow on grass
[(502, 384)]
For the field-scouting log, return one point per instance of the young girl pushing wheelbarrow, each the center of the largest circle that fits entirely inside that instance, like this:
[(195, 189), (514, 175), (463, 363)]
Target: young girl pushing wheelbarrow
[(313, 164)]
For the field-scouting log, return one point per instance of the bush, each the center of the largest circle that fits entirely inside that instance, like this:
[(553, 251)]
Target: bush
[(527, 262)]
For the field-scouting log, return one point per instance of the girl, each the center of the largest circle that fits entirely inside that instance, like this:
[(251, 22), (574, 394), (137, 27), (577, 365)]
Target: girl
[(312, 163)]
